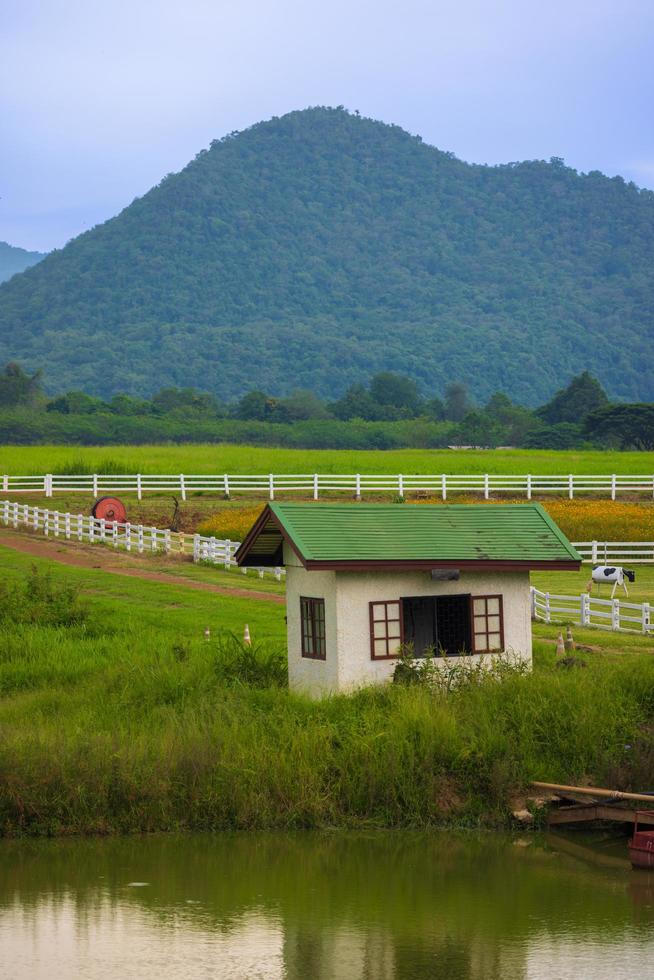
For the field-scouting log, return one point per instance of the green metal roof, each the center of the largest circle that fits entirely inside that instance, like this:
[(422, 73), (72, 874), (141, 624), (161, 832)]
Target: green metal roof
[(390, 534)]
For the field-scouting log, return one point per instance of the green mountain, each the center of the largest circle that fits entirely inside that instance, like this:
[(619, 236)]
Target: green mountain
[(13, 260), (317, 248)]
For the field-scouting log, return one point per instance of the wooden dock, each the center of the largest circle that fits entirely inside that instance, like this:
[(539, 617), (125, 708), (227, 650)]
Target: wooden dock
[(584, 804)]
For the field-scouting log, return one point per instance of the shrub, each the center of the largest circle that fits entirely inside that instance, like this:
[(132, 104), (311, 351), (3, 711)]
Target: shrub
[(37, 600)]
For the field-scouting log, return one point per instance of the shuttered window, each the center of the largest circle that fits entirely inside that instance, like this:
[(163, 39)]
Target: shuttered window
[(487, 623), (385, 629), (312, 618)]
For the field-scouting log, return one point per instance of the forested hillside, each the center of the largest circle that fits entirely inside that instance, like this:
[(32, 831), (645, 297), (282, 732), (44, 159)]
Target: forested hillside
[(13, 260), (315, 249)]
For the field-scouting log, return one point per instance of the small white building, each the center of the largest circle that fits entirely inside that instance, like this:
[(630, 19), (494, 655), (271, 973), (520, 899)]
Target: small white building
[(365, 580)]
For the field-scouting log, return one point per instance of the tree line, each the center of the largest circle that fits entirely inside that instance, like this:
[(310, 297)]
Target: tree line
[(387, 412)]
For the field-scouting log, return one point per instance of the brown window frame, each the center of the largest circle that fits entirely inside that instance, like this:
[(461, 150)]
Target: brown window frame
[(474, 651), (386, 603), (308, 607), (485, 614)]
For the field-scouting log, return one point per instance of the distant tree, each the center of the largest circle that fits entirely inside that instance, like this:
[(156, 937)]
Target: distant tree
[(356, 403), (573, 403), (301, 405), (515, 422), (564, 435), (19, 388), (457, 404), (128, 405), (255, 406), (624, 426), (435, 409), (395, 391), (170, 401), (479, 429), (76, 403)]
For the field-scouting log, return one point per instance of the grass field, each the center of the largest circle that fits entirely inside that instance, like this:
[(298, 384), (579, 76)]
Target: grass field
[(221, 458), (117, 715)]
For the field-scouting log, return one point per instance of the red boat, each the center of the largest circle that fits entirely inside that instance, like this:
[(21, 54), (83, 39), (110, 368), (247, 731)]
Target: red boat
[(641, 845)]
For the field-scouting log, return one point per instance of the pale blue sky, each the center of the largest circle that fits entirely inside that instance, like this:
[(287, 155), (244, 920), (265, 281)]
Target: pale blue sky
[(99, 100)]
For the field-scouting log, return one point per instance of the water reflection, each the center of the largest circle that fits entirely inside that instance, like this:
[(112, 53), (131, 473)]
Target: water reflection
[(321, 906)]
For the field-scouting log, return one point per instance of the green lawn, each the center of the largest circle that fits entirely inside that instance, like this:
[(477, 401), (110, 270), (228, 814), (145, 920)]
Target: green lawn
[(128, 720), (230, 458)]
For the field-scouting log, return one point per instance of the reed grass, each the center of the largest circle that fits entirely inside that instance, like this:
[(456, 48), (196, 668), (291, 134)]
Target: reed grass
[(127, 720)]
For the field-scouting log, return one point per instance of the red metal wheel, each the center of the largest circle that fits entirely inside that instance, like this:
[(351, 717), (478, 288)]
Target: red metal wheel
[(111, 509)]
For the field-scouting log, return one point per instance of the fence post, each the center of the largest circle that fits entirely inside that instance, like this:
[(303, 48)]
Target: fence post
[(46, 522), (47, 484), (547, 607), (532, 601), (95, 484), (271, 486), (67, 526), (444, 486), (593, 553), (91, 529), (15, 521), (139, 539), (400, 485), (196, 547), (571, 485), (5, 512), (5, 484), (528, 486), (585, 609), (645, 617), (139, 494), (228, 554), (613, 487), (226, 485), (182, 486), (128, 536), (357, 487), (315, 486), (278, 574), (114, 534), (615, 614), (486, 489), (167, 546)]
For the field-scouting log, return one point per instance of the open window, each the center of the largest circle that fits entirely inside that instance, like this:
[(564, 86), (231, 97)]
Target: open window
[(443, 625)]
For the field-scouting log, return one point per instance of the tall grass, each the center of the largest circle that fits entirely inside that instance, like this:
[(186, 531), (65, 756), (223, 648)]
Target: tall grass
[(107, 732), (243, 458)]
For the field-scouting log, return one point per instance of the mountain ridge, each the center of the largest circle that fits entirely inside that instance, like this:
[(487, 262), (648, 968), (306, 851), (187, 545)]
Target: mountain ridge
[(14, 260), (316, 248)]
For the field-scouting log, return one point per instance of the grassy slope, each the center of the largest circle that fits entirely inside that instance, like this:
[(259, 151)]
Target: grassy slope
[(127, 723), (252, 459)]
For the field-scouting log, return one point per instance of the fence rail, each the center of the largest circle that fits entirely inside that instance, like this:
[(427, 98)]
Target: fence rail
[(606, 614), (616, 552), (137, 538), (315, 484)]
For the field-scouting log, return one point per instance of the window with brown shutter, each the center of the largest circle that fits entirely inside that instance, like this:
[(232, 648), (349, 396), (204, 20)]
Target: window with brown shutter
[(487, 623), (312, 620), (385, 629)]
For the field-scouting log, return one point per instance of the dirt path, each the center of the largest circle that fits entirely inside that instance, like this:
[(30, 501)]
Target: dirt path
[(88, 556)]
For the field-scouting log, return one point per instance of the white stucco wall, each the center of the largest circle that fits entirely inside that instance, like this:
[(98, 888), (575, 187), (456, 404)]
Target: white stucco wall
[(348, 663), (354, 590)]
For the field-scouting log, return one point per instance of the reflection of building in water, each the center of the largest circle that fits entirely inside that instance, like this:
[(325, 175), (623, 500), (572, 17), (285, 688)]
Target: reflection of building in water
[(370, 954)]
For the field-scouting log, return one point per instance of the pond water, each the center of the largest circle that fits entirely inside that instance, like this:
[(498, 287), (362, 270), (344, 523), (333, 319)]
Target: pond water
[(309, 906)]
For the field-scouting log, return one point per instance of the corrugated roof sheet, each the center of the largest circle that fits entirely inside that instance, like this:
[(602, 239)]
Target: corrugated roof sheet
[(409, 532)]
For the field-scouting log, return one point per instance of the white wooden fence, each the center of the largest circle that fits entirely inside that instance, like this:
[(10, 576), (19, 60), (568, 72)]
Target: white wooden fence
[(315, 484), (606, 614), (616, 552), (137, 538)]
